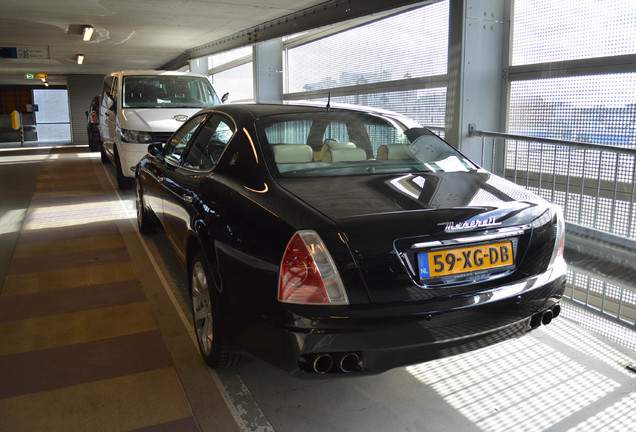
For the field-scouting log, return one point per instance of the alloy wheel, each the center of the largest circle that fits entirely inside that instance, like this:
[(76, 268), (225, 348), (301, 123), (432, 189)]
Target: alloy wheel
[(202, 308)]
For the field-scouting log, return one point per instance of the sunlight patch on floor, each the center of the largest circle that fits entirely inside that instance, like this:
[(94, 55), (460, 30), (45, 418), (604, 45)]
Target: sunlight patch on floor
[(520, 384)]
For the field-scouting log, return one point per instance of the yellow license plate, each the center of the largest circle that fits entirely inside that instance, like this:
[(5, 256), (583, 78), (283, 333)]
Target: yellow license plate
[(464, 260)]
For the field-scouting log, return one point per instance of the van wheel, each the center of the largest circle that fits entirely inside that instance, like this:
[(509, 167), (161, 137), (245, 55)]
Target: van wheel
[(103, 154), (93, 145), (123, 182)]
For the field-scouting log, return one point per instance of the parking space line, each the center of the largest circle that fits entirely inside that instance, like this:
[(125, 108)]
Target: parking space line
[(237, 397)]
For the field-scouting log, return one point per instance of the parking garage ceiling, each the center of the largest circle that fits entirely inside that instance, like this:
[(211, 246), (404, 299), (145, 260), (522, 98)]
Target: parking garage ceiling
[(46, 36), (128, 34)]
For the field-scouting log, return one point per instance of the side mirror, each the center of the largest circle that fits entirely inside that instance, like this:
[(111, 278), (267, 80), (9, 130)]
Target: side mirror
[(155, 149), (225, 97)]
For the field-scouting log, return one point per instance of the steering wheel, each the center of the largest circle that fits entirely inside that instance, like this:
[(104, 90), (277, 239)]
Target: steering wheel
[(214, 150)]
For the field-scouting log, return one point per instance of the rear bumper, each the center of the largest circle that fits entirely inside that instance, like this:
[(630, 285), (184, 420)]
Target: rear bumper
[(93, 130), (93, 136), (386, 338)]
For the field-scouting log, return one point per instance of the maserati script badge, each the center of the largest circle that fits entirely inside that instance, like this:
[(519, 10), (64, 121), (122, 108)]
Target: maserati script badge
[(468, 225), (181, 117)]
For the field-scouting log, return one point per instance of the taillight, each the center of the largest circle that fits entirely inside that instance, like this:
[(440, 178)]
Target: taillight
[(94, 118), (308, 274)]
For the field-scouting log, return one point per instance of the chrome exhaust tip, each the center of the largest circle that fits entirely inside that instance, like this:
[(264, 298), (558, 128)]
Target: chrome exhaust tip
[(322, 364), (349, 362), (547, 317)]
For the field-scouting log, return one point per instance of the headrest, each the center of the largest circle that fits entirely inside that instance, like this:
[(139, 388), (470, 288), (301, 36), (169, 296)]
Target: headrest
[(292, 153), (333, 146), (345, 155), (394, 152)]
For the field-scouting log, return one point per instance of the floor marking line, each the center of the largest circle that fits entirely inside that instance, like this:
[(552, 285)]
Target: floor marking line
[(241, 420)]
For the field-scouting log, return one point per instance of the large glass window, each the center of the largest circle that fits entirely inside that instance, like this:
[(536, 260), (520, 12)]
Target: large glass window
[(52, 117), (584, 106), (232, 72), (409, 45), (378, 65), (237, 81), (599, 109), (426, 106), (548, 30), (225, 57)]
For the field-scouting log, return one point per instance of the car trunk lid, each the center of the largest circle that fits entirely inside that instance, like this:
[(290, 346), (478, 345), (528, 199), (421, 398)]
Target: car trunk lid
[(392, 222)]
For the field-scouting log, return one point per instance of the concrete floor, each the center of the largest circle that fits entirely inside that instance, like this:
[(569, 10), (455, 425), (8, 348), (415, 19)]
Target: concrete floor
[(95, 334)]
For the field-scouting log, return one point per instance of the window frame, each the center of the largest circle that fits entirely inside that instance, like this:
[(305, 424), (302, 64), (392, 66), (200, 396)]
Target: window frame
[(210, 120)]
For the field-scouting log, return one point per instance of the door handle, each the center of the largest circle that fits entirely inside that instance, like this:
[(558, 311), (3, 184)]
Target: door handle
[(187, 198)]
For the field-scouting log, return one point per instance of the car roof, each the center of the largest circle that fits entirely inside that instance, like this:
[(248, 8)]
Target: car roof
[(258, 110), (154, 73)]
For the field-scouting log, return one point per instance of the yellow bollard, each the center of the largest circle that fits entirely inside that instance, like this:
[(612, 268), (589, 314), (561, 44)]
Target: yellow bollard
[(16, 123)]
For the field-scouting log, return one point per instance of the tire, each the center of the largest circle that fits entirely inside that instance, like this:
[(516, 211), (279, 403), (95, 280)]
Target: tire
[(206, 317), (145, 224), (103, 154), (94, 145), (123, 182)]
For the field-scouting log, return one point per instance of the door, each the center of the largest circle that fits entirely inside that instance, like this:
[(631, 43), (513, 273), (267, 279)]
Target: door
[(181, 199), (163, 168)]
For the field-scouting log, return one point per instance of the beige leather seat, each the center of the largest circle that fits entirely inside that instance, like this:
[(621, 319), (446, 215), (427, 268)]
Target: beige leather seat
[(319, 155), (394, 152), (292, 153), (345, 155)]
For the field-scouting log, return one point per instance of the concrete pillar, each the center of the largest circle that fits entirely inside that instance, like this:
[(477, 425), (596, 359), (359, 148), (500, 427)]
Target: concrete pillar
[(268, 71), (477, 49)]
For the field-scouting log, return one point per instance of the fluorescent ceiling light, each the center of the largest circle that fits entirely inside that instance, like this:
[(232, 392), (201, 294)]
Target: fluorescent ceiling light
[(87, 33), (80, 58)]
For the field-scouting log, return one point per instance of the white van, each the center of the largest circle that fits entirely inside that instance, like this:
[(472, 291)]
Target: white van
[(142, 107)]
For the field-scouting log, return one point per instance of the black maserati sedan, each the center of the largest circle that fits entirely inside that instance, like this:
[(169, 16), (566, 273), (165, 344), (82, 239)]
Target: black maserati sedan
[(332, 240)]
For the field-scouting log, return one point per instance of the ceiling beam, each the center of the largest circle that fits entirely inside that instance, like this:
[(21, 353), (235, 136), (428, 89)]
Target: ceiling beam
[(330, 12)]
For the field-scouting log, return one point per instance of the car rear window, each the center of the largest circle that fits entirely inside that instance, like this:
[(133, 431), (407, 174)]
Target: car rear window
[(337, 143)]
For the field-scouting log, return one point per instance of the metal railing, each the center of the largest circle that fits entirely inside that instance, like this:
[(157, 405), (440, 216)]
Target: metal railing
[(593, 183), (596, 186)]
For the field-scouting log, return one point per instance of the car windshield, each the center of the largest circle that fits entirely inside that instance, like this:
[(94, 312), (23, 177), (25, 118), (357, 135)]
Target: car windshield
[(167, 91), (338, 143)]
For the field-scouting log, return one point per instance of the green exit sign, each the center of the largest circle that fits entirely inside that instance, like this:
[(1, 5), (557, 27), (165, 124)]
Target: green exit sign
[(29, 76)]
